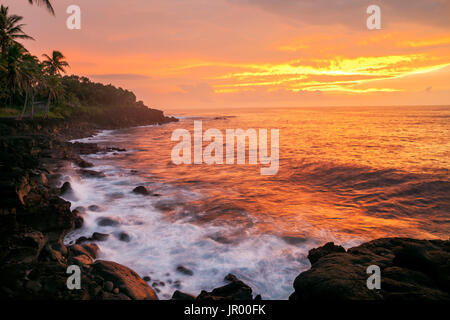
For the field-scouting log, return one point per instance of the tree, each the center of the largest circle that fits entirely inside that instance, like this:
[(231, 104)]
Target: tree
[(55, 89), (10, 30), (32, 76), (15, 74), (55, 64), (46, 3)]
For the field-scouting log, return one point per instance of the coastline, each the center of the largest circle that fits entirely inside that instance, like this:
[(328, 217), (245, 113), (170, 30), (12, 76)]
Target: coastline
[(34, 221)]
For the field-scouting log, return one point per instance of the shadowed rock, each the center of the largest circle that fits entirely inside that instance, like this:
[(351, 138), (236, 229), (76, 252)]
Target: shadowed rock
[(141, 190), (125, 279), (178, 295), (315, 254), (235, 290), (410, 270), (184, 270), (107, 222), (90, 173)]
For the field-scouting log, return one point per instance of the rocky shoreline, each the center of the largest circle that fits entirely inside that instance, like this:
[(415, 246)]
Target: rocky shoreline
[(34, 220)]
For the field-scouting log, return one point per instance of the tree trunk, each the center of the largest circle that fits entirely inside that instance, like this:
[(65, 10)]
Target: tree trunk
[(32, 105), (24, 105), (47, 108)]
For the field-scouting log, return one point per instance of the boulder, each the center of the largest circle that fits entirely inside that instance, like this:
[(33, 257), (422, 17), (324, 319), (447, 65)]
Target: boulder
[(235, 290), (108, 222), (125, 279), (410, 269), (178, 295), (141, 190), (97, 236), (315, 254), (125, 237), (90, 173), (184, 270)]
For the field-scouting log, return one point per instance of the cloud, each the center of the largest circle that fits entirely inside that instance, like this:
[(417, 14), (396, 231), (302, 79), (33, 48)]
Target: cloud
[(201, 91), (119, 76), (352, 13)]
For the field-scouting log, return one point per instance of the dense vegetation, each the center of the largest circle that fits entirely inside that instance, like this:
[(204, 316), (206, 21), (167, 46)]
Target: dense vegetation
[(32, 87)]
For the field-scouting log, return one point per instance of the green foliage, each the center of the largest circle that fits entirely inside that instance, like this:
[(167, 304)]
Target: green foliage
[(38, 88)]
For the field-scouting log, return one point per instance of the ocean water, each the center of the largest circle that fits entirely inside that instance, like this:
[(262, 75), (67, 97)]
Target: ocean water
[(346, 175)]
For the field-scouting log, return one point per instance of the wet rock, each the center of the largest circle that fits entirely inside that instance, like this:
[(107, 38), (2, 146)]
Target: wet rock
[(97, 236), (315, 254), (410, 269), (109, 286), (81, 260), (125, 237), (77, 250), (78, 221), (235, 290), (80, 210), (184, 270), (84, 164), (90, 173), (125, 279), (92, 249), (67, 192), (107, 222), (95, 208), (178, 295), (141, 190), (81, 240), (147, 278)]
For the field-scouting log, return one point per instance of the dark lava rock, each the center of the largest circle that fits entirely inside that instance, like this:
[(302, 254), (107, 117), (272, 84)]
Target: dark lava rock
[(315, 254), (90, 173), (92, 249), (109, 286), (95, 208), (97, 236), (235, 290), (147, 278), (125, 237), (82, 240), (78, 221), (410, 270), (141, 190), (80, 210), (67, 191), (178, 295), (66, 187), (107, 222), (84, 164), (125, 279), (85, 148), (184, 270), (33, 217)]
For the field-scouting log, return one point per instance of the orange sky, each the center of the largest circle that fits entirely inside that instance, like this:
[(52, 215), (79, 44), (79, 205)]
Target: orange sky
[(254, 53)]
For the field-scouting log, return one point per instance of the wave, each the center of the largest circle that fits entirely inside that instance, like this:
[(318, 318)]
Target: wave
[(381, 192)]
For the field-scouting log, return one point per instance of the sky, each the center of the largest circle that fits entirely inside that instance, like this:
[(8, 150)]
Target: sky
[(184, 54)]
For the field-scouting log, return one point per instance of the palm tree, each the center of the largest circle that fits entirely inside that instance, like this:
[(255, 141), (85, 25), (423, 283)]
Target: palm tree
[(55, 89), (55, 64), (10, 29), (31, 75), (46, 3), (14, 74)]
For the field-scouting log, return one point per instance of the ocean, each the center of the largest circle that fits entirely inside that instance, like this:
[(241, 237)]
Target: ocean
[(346, 174)]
